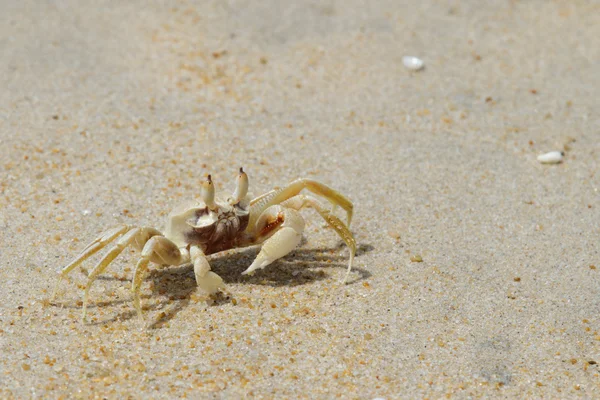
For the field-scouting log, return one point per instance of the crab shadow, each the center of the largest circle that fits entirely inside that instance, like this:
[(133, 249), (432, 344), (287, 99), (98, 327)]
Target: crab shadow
[(175, 285), (300, 267)]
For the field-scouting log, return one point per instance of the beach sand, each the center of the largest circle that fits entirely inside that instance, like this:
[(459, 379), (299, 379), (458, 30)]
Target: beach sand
[(113, 112)]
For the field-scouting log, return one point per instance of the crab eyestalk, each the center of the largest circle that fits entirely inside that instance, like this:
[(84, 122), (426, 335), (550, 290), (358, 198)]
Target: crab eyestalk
[(208, 194), (241, 189)]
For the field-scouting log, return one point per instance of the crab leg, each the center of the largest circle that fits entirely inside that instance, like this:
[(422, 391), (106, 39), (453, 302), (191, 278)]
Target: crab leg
[(288, 226), (278, 196), (99, 243), (207, 280), (158, 249), (300, 201), (122, 243)]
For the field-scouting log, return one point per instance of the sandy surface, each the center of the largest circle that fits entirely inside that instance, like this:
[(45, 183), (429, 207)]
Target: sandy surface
[(113, 112)]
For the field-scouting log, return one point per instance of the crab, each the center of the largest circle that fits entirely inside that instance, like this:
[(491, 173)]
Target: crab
[(206, 226)]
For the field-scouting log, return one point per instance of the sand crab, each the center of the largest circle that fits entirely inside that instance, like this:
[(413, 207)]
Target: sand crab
[(207, 226)]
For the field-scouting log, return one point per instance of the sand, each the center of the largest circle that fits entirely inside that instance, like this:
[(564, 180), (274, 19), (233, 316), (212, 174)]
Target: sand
[(113, 112)]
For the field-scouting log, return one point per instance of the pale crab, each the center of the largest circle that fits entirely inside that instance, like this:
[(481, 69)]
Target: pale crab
[(207, 226)]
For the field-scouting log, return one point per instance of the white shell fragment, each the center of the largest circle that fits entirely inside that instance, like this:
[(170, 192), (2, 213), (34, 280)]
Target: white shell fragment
[(413, 63), (553, 157)]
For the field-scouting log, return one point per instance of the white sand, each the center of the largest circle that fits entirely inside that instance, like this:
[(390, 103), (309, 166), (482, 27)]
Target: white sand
[(113, 113)]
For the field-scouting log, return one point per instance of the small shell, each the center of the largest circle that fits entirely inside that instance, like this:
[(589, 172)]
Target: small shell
[(416, 258), (413, 63), (553, 157)]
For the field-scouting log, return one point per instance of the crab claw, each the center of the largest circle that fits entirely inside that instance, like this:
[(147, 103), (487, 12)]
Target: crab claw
[(241, 189), (208, 194)]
